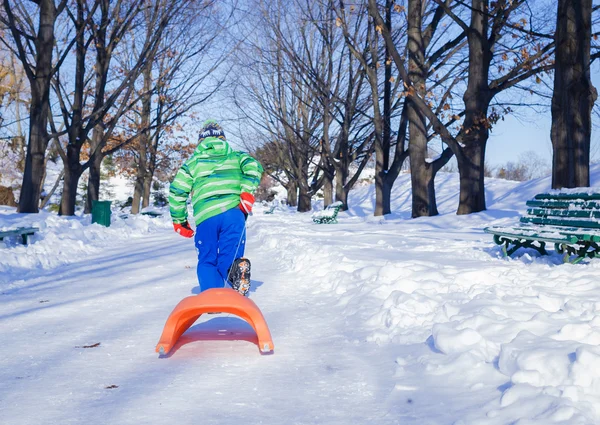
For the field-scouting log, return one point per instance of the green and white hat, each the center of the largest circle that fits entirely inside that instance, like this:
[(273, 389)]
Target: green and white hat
[(211, 128)]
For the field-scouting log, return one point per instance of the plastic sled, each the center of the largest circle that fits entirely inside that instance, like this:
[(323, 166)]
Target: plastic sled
[(216, 300)]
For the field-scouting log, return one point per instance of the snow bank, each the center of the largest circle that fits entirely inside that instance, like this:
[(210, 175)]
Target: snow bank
[(63, 240), (521, 336)]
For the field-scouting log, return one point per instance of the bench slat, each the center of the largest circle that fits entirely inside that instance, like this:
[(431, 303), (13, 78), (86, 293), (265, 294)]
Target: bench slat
[(563, 213), (574, 233), (18, 231), (564, 204), (586, 224), (568, 196), (533, 234)]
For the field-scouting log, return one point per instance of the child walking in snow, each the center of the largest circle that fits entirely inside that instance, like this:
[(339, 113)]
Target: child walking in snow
[(221, 182)]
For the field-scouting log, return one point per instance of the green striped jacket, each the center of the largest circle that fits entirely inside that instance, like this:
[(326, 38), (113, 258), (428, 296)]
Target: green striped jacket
[(215, 176)]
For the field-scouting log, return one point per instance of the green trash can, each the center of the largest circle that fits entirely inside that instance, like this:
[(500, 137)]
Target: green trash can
[(101, 212)]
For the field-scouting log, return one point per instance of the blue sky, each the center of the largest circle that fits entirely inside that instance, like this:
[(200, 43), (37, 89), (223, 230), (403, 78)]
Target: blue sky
[(530, 131)]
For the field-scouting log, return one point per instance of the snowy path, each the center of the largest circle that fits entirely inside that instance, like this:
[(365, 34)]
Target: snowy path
[(121, 299)]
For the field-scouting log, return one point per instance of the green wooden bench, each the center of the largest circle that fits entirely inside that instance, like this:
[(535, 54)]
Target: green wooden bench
[(24, 232), (152, 214), (329, 214), (270, 210), (571, 221)]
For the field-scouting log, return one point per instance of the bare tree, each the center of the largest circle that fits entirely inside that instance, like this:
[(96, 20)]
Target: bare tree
[(182, 76), (33, 44), (107, 107), (337, 81), (283, 107), (489, 22), (365, 46)]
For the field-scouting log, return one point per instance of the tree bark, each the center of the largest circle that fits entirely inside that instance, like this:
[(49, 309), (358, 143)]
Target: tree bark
[(472, 189), (147, 190), (422, 177), (39, 82), (385, 186), (573, 96), (292, 194), (73, 172), (52, 191), (144, 139), (75, 131), (93, 189), (341, 192), (98, 142), (304, 203), (328, 189), (477, 98), (138, 189)]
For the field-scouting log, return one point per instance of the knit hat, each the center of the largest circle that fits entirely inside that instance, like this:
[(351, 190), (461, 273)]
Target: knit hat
[(211, 128)]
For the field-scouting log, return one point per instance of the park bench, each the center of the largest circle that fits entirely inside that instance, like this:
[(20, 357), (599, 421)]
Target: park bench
[(329, 214), (270, 210), (152, 214), (24, 232), (571, 221)]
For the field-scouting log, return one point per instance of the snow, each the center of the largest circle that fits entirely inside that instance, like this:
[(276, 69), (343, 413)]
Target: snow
[(386, 320)]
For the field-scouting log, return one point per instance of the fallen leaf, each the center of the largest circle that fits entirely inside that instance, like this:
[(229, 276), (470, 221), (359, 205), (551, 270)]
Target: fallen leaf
[(89, 346)]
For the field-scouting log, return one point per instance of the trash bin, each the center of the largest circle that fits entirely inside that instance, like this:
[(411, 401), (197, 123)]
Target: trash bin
[(101, 212)]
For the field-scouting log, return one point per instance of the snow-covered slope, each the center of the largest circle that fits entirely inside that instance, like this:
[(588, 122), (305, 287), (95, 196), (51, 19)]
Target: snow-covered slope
[(375, 320)]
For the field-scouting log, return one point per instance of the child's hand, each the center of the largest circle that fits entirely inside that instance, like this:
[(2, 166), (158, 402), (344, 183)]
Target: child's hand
[(246, 202), (184, 229)]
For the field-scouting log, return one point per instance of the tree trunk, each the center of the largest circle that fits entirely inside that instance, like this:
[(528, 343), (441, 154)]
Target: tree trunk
[(573, 96), (304, 204), (292, 194), (139, 185), (141, 189), (20, 146), (422, 177), (76, 130), (33, 175), (93, 187), (152, 158), (147, 189), (341, 192), (381, 124), (39, 83), (72, 174), (328, 189), (472, 189), (54, 187), (386, 141), (304, 189), (69, 194), (477, 98)]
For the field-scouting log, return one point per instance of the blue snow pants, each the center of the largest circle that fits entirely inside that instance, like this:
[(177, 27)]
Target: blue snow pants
[(219, 240)]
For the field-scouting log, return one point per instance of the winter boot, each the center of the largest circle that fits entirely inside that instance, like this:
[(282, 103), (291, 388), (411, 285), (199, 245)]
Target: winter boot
[(239, 275)]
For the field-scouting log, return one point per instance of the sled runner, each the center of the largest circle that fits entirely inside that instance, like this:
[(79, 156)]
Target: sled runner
[(216, 300)]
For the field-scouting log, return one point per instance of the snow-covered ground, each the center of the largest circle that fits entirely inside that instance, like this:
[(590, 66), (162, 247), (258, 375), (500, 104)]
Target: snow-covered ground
[(375, 320)]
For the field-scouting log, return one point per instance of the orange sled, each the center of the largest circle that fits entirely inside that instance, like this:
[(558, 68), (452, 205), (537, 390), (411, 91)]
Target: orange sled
[(216, 300)]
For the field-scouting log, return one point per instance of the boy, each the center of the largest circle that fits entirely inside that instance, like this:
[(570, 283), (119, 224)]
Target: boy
[(221, 182)]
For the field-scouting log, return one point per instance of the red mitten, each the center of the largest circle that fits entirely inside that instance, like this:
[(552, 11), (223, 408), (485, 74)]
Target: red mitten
[(184, 229), (246, 202)]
